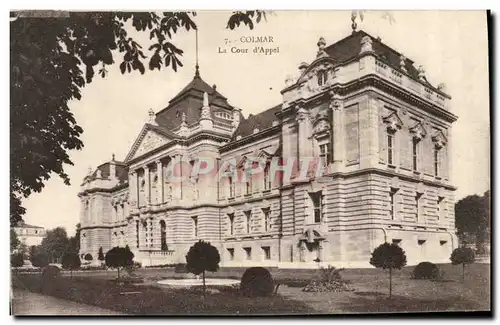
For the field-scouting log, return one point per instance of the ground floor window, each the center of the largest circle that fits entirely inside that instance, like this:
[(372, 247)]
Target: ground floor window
[(248, 253), (231, 253), (267, 252)]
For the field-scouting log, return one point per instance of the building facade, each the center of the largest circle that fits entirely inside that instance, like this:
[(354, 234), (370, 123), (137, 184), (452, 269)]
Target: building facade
[(356, 154), (29, 235)]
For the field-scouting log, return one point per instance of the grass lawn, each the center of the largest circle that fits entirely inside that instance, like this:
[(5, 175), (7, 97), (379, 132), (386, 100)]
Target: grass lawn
[(370, 295)]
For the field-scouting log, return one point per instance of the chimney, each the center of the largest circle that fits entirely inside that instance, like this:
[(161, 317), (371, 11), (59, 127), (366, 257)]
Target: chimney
[(112, 168)]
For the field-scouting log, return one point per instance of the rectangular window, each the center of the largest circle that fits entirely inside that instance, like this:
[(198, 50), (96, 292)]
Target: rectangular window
[(248, 220), (316, 199), (418, 207), (390, 148), (415, 153), (231, 253), (267, 219), (195, 226), (440, 207), (231, 187), (267, 252), (248, 253), (231, 223), (436, 162), (324, 153), (267, 177), (392, 195)]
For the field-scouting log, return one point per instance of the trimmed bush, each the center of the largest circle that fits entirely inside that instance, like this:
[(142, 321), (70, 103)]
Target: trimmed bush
[(257, 282), (40, 259), (51, 272), (426, 270)]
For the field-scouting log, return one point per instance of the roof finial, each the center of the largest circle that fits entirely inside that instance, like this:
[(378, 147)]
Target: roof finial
[(205, 99), (197, 72), (113, 157), (353, 19), (151, 114)]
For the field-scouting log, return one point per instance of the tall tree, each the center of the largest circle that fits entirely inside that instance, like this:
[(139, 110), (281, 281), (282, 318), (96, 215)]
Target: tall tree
[(472, 216), (52, 59), (74, 241), (55, 244)]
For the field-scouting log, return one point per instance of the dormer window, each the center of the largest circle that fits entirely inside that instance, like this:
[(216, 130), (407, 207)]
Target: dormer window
[(322, 77)]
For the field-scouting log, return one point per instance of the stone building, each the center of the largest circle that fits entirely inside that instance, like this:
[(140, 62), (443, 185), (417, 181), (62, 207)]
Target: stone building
[(29, 235), (376, 135)]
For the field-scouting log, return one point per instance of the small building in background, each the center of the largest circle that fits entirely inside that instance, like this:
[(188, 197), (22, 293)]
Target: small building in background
[(30, 235)]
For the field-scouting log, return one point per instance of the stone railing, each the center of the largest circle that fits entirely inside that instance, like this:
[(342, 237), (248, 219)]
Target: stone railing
[(355, 70)]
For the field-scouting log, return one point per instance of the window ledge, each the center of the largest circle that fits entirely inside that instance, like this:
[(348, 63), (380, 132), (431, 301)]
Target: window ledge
[(391, 166), (416, 172)]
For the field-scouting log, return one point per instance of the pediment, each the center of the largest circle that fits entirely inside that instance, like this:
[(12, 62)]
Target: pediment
[(147, 141), (321, 64), (439, 139)]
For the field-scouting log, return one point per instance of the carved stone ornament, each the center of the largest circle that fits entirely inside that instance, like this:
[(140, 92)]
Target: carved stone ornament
[(322, 126), (366, 44), (393, 122), (302, 114), (402, 62), (98, 174), (421, 72), (418, 131), (336, 102), (439, 139)]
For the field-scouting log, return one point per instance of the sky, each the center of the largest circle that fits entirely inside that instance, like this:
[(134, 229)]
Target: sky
[(451, 45)]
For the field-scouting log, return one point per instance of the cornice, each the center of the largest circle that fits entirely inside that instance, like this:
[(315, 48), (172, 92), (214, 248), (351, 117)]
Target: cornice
[(251, 138)]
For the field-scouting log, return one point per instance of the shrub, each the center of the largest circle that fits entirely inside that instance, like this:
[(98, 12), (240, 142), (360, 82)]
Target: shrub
[(16, 260), (388, 256), (330, 280), (51, 272), (88, 257), (119, 257), (257, 282), (100, 255), (202, 257), (40, 259), (71, 261), (462, 255), (426, 270)]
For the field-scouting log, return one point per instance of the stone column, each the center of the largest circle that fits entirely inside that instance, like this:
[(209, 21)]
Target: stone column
[(159, 183), (147, 185), (337, 107)]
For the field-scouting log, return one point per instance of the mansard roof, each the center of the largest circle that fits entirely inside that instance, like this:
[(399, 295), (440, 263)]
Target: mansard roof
[(350, 47), (261, 121), (190, 101), (121, 172)]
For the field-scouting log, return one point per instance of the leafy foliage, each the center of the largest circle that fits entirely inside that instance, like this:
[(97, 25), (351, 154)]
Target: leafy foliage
[(52, 59), (462, 255), (14, 241), (201, 257), (388, 256), (472, 216), (88, 257), (426, 270), (40, 259), (119, 257), (257, 282), (55, 243), (16, 260), (330, 280), (71, 261)]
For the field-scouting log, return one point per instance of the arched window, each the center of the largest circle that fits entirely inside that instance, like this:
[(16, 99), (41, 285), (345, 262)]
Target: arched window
[(322, 77)]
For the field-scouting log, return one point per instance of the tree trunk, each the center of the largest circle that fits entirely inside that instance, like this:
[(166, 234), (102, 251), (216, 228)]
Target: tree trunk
[(118, 273), (204, 287), (390, 281), (463, 272), (71, 273)]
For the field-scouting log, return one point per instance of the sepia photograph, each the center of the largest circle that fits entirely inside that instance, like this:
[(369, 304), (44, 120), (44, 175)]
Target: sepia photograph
[(286, 162)]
